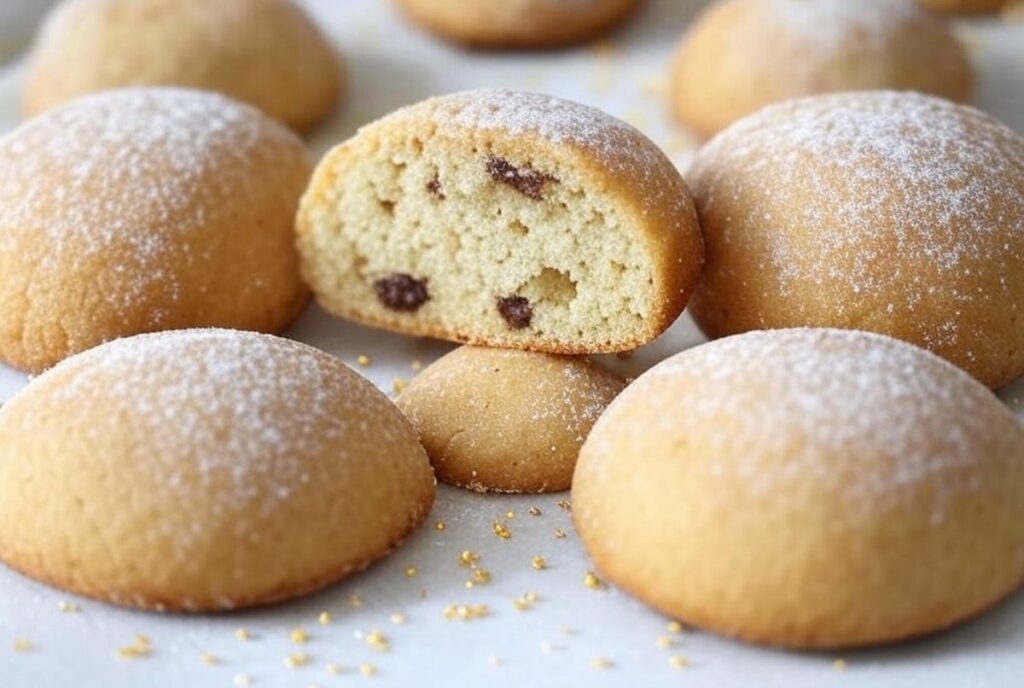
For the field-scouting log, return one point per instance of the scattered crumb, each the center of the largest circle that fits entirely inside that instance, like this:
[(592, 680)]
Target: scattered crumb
[(411, 571), (501, 530), (674, 627), (510, 514), (564, 504), (399, 384), (208, 659), (140, 647), (839, 665), (21, 645), (324, 618), (664, 642), (367, 669), (416, 364), (534, 511), (68, 607), (242, 633), (601, 663), (465, 612), (242, 679), (468, 558), (539, 563), (591, 580), (334, 668), (439, 526), (378, 641), (678, 662), (398, 618), (298, 636), (559, 534), (355, 601), (364, 360), (296, 660)]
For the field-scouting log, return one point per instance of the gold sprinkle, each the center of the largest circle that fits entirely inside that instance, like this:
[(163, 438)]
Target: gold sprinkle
[(399, 384), (242, 679), (559, 534), (439, 526), (539, 563), (468, 558), (293, 661), (208, 659), (534, 511), (364, 360), (674, 627), (334, 668), (601, 663), (298, 636), (465, 612), (564, 504), (510, 514), (242, 633), (411, 571), (378, 641), (591, 580), (416, 364), (526, 601), (664, 642), (367, 669), (68, 607), (324, 618), (839, 665), (501, 530), (22, 645), (398, 618), (355, 601), (481, 576), (678, 662)]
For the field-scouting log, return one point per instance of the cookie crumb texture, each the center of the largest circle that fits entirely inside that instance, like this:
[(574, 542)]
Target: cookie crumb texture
[(204, 470), (495, 420), (502, 218)]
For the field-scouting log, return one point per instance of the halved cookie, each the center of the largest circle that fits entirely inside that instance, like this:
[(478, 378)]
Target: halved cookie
[(505, 219)]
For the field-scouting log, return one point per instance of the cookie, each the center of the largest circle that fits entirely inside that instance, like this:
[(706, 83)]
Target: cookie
[(741, 55), (145, 209), (1014, 11), (808, 489), (267, 53), (518, 23), (504, 219), (963, 6), (496, 420), (896, 213), (204, 470)]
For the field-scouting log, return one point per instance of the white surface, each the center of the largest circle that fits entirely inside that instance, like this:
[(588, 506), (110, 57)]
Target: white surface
[(389, 65)]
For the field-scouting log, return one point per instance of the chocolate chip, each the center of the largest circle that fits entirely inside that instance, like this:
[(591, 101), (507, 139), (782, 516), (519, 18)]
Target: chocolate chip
[(525, 180), (516, 310), (402, 292), (434, 188)]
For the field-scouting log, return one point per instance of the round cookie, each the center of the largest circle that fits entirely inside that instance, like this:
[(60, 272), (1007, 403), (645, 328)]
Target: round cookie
[(495, 420), (964, 6), (741, 55), (807, 489), (518, 23), (202, 470), (267, 53), (141, 210), (504, 219), (896, 213)]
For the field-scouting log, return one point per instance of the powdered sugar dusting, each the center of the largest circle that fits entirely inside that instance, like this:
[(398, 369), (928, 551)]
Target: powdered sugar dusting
[(841, 25), (130, 175), (836, 187), (864, 415), (200, 408)]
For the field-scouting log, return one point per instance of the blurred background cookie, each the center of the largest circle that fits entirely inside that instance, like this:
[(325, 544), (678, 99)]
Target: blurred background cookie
[(204, 470), (507, 421), (966, 6), (807, 488), (886, 211), (145, 209), (267, 53), (740, 55), (518, 23)]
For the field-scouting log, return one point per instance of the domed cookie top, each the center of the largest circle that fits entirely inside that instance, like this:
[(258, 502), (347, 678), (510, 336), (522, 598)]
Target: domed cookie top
[(268, 53), (743, 54), (507, 421), (518, 23), (891, 212), (140, 210), (807, 488), (502, 218), (202, 470)]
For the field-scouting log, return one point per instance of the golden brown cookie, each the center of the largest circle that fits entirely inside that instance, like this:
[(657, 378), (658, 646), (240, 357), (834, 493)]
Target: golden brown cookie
[(896, 213), (807, 488), (741, 55), (518, 23), (267, 53), (1014, 11), (203, 470), (495, 420), (964, 6), (505, 219), (141, 210)]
